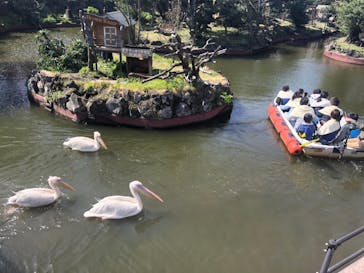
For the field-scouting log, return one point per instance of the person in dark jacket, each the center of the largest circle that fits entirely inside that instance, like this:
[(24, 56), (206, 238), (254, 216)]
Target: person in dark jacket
[(307, 129)]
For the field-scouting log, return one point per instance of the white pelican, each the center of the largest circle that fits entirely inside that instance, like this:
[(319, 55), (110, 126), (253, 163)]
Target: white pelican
[(85, 144), (118, 207), (38, 197)]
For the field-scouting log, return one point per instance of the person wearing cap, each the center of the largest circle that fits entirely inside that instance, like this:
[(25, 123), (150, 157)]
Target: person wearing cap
[(307, 129), (283, 96), (328, 131)]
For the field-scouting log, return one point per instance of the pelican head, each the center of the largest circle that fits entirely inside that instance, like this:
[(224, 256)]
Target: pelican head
[(138, 186), (97, 137), (56, 182)]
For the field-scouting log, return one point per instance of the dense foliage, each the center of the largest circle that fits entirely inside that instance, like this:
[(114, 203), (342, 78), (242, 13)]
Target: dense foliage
[(54, 55), (351, 18), (200, 16)]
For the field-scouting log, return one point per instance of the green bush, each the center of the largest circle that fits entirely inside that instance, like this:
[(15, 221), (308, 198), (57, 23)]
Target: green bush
[(53, 55), (75, 56), (110, 69), (50, 19), (50, 51), (146, 18), (92, 10)]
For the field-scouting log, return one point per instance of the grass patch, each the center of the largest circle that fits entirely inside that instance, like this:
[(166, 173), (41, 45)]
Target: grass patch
[(153, 36), (56, 95), (343, 44), (212, 76), (105, 87), (158, 85)]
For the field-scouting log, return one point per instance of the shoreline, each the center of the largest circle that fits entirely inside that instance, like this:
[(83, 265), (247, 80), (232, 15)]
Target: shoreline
[(230, 51)]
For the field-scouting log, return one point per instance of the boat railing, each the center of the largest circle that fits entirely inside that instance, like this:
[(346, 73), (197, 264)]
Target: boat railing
[(331, 247)]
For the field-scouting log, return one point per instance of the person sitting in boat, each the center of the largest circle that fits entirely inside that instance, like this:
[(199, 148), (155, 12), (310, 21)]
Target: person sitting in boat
[(324, 113), (299, 112), (316, 94), (307, 129), (351, 121), (283, 96), (294, 101), (329, 130), (320, 102)]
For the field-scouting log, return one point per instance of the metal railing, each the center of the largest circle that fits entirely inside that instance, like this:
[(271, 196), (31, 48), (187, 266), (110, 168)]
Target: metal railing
[(332, 245)]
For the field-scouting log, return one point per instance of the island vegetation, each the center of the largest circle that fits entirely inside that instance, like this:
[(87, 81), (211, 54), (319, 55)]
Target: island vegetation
[(245, 24), (190, 34)]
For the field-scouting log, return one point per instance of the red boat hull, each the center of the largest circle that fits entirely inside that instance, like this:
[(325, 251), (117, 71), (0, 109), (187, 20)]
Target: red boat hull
[(291, 143), (342, 58)]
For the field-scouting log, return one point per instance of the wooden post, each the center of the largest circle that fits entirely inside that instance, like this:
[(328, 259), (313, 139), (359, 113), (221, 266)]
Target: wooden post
[(90, 59)]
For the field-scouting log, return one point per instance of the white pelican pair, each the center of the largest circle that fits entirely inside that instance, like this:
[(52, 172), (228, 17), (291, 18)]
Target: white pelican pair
[(110, 207), (85, 144), (38, 197)]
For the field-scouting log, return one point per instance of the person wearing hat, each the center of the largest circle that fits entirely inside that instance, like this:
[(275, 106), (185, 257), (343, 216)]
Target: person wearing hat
[(283, 96), (328, 131), (307, 129)]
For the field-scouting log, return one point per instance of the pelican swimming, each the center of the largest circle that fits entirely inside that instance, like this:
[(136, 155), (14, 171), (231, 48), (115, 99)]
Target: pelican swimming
[(85, 144), (118, 207), (38, 197)]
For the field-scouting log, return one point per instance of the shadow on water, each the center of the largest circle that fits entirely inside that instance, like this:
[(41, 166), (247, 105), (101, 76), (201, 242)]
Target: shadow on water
[(7, 265)]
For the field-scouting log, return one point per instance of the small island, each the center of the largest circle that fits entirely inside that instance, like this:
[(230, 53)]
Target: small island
[(350, 48), (113, 80)]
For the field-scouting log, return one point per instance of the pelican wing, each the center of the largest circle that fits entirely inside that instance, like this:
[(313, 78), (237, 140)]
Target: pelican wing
[(114, 207), (35, 197), (84, 144)]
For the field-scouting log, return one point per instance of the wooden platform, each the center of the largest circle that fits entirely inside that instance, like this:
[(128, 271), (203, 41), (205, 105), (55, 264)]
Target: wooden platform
[(356, 267)]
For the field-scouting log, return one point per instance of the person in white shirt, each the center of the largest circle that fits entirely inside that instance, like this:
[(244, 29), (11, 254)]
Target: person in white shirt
[(283, 95)]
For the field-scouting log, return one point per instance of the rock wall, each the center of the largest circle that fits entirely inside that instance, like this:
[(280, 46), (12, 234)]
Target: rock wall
[(67, 92)]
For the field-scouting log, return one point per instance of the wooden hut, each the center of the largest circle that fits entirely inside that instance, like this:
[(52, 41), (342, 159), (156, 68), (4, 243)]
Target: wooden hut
[(108, 32)]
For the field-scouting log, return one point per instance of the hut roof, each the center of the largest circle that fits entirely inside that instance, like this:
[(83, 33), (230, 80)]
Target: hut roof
[(120, 17), (137, 52)]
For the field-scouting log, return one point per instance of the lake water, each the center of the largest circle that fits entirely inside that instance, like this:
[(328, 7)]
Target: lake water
[(235, 201)]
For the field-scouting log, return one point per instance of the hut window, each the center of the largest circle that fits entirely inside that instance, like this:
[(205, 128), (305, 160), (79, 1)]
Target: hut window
[(110, 36)]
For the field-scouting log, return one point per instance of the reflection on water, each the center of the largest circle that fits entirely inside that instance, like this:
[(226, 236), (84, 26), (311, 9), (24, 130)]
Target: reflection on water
[(234, 200)]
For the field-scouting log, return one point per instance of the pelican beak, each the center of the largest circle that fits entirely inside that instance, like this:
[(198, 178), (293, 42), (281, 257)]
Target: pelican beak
[(65, 186), (102, 143), (149, 193)]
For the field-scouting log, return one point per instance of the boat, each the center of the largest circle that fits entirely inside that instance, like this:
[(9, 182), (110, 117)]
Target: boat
[(298, 146), (111, 119)]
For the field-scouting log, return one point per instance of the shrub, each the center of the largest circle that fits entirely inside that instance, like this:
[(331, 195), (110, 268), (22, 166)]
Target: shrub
[(92, 10), (146, 18), (75, 56), (110, 69), (53, 55), (50, 51), (50, 19)]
